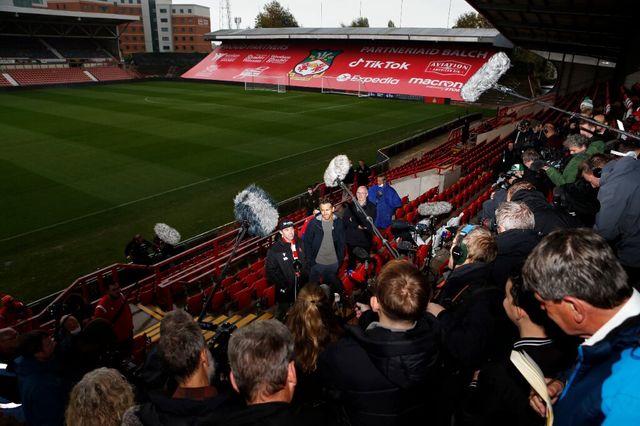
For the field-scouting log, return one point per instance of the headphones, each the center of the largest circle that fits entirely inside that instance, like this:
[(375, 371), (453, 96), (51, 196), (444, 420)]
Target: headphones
[(596, 171), (459, 252)]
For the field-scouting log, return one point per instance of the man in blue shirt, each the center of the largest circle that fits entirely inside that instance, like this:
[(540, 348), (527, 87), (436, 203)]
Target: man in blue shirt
[(584, 289)]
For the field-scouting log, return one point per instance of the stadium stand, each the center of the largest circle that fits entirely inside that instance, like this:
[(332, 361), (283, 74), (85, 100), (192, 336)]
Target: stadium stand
[(22, 47), (111, 73), (43, 76), (78, 48)]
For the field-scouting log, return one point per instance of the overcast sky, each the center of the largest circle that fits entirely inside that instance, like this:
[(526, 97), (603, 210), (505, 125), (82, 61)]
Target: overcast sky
[(330, 13)]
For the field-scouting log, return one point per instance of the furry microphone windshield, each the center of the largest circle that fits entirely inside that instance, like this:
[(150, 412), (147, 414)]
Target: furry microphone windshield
[(338, 168), (256, 209), (435, 209), (167, 233), (486, 77)]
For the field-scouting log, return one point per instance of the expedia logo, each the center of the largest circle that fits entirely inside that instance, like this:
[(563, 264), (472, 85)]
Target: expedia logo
[(373, 80), (448, 67)]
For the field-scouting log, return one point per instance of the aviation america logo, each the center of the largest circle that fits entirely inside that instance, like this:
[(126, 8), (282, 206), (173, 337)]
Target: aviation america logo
[(448, 67), (314, 65)]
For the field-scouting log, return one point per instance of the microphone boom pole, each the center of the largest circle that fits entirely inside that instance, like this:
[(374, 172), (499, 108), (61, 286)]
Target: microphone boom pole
[(509, 91), (223, 273), (375, 229)]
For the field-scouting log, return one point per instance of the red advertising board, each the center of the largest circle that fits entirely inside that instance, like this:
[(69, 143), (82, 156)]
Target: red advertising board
[(427, 69)]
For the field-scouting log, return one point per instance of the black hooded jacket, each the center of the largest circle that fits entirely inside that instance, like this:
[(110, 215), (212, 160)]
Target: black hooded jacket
[(384, 377), (548, 218), (514, 246)]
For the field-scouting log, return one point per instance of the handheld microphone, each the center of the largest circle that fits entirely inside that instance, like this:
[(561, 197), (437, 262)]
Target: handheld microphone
[(486, 77), (336, 171), (435, 209), (167, 233), (256, 210)]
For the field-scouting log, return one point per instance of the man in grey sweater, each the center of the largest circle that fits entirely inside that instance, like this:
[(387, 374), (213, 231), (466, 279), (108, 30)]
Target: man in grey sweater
[(324, 242)]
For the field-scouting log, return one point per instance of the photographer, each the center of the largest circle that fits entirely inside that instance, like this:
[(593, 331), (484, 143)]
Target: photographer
[(185, 357), (577, 146), (286, 267)]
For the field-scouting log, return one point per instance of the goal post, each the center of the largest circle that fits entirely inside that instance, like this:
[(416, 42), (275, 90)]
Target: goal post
[(343, 86), (266, 83)]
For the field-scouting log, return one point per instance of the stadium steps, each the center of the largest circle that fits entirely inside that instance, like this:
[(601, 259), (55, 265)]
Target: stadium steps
[(88, 74), (111, 74), (51, 49), (7, 81)]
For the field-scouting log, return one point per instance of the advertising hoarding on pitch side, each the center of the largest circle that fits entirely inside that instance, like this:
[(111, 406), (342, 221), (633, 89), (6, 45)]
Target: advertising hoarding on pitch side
[(432, 70)]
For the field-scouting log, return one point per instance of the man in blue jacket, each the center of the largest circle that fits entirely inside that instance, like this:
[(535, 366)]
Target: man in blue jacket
[(44, 394), (324, 246), (584, 289), (619, 218), (386, 200)]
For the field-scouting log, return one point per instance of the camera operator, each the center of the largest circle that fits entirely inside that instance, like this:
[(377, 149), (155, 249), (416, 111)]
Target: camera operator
[(533, 172), (577, 146), (185, 357), (488, 214), (286, 267)]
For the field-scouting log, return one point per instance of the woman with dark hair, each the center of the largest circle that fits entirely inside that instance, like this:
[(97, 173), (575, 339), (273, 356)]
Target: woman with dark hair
[(314, 326)]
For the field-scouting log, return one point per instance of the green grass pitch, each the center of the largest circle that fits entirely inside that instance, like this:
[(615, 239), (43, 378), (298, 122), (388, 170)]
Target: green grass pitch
[(83, 169)]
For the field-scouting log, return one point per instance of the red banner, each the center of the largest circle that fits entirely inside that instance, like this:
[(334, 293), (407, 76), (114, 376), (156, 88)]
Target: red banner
[(418, 69)]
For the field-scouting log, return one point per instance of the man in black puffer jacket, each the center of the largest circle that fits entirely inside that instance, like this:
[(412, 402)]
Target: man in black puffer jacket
[(515, 240), (388, 372), (547, 217)]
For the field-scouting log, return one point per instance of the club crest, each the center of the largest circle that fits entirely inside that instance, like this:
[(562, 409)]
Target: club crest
[(314, 65)]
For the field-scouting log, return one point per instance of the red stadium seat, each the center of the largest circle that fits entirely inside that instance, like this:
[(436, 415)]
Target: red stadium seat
[(194, 303), (242, 298), (259, 286), (269, 296)]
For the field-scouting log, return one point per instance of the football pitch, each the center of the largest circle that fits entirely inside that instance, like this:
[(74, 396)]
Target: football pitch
[(83, 169)]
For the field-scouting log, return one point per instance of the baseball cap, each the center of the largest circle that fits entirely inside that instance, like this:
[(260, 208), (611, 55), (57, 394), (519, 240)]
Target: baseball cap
[(517, 168), (285, 224)]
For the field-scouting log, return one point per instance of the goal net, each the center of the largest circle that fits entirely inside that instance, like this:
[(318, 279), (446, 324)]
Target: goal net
[(267, 83), (342, 86)]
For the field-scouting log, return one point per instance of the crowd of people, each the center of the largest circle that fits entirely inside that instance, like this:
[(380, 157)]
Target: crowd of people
[(551, 269)]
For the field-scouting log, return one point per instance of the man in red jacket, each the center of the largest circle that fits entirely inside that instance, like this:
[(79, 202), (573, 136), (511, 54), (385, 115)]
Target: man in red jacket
[(114, 308)]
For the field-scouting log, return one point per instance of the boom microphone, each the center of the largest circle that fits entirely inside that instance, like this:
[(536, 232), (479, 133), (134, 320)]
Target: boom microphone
[(257, 213), (337, 170), (254, 208), (167, 233), (486, 77), (435, 209)]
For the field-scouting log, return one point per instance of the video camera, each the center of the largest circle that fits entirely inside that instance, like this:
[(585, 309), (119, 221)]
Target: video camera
[(218, 346)]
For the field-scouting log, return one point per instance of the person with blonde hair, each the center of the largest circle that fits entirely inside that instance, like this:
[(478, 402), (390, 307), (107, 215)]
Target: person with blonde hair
[(475, 328), (99, 399), (314, 326)]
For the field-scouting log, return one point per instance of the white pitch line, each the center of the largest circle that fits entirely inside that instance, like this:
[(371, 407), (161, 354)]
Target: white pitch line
[(321, 108), (189, 185)]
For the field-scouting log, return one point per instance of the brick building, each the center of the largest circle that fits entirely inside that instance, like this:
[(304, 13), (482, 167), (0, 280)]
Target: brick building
[(163, 27)]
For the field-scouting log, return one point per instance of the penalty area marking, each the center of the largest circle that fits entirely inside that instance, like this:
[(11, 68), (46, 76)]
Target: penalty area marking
[(200, 182)]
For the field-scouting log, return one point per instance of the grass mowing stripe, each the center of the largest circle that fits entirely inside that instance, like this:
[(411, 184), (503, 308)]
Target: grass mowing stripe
[(159, 194)]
